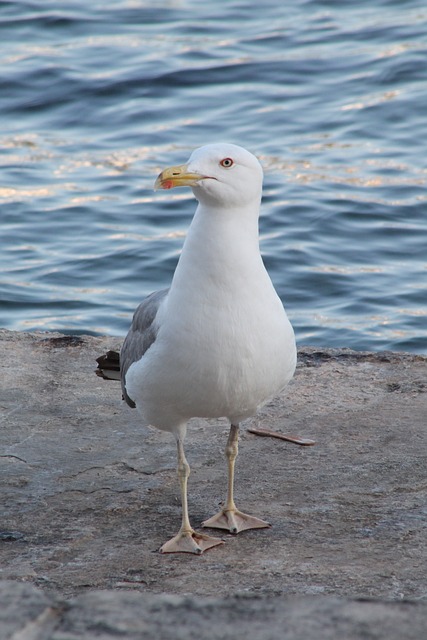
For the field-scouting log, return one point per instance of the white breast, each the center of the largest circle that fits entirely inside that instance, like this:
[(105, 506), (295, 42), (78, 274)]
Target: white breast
[(225, 345)]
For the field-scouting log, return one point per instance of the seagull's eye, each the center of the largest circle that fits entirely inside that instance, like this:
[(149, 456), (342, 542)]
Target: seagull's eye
[(227, 163)]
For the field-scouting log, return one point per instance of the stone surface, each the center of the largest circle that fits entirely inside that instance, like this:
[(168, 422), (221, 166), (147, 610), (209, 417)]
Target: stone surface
[(88, 495), (28, 614)]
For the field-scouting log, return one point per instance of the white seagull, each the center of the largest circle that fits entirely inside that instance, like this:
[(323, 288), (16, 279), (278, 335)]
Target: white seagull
[(218, 342)]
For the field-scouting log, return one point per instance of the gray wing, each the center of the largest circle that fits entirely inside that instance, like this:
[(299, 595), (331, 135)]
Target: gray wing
[(141, 335)]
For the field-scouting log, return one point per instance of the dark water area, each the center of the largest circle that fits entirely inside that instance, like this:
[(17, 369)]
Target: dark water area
[(96, 98)]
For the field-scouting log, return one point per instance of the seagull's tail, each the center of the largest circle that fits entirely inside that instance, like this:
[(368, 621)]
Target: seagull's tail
[(109, 366)]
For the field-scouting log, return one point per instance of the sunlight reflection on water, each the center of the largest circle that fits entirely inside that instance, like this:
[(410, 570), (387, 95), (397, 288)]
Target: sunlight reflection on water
[(97, 99)]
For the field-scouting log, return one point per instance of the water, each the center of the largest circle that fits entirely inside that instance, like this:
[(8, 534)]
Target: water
[(95, 98)]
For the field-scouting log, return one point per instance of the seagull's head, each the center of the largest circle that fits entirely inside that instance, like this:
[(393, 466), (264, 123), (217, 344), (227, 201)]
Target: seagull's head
[(219, 174)]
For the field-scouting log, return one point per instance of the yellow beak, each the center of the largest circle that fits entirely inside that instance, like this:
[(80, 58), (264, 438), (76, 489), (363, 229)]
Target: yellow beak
[(177, 177)]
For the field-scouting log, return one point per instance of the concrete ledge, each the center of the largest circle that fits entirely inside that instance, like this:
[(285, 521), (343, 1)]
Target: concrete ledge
[(31, 615), (88, 496)]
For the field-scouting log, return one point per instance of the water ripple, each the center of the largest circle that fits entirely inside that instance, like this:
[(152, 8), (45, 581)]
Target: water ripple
[(331, 96)]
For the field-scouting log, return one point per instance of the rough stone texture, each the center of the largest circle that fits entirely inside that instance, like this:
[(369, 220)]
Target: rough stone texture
[(88, 495), (27, 614)]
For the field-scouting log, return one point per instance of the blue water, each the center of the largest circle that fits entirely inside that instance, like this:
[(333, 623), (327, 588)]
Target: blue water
[(97, 97)]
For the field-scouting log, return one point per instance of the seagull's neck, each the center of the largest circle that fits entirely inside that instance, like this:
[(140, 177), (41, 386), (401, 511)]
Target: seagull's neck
[(221, 248)]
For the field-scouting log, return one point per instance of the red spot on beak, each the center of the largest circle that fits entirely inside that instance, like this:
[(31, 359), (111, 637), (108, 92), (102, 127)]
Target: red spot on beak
[(167, 184)]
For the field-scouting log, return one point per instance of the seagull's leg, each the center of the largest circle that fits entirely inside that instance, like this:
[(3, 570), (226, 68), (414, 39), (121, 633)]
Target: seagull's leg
[(187, 540), (229, 517)]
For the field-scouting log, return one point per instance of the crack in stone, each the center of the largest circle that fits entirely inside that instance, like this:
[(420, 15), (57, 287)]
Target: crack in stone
[(90, 491), (105, 468), (11, 455)]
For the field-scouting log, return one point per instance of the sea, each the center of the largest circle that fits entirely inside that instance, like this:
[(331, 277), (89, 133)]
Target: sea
[(96, 98)]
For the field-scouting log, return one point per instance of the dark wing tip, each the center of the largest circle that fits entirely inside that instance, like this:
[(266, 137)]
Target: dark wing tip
[(109, 366), (110, 360)]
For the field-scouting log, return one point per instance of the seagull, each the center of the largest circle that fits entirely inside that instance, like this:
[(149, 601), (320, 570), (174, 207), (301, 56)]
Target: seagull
[(218, 342)]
